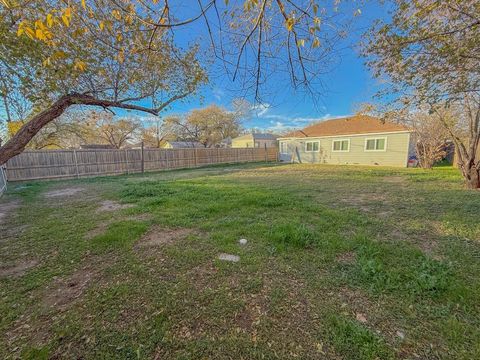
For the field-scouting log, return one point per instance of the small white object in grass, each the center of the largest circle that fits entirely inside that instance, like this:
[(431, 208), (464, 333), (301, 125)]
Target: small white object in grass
[(401, 334), (229, 257), (243, 241), (361, 317)]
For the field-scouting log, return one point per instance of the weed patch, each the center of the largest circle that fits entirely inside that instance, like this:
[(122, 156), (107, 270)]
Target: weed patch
[(120, 234), (355, 341)]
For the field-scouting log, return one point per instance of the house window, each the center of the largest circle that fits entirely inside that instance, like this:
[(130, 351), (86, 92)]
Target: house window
[(376, 144), (283, 148), (312, 146), (341, 145)]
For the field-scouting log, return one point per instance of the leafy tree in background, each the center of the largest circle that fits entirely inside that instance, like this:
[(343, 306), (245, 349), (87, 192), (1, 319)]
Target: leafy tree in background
[(112, 131), (73, 129), (208, 126), (122, 54), (155, 135), (429, 53)]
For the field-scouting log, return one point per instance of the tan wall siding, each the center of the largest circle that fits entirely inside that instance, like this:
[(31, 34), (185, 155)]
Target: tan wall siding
[(396, 153), (243, 143)]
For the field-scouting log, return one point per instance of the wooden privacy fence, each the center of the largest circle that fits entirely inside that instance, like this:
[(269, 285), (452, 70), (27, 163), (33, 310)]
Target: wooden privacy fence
[(52, 164)]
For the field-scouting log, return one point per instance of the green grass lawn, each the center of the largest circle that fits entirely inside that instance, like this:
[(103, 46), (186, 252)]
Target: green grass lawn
[(341, 263)]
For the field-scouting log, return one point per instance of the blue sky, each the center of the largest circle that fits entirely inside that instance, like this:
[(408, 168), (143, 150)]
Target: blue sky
[(348, 84)]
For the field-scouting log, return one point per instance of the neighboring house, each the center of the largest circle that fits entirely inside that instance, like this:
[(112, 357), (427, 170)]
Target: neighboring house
[(357, 139), (225, 143), (96, 146), (182, 144), (257, 140)]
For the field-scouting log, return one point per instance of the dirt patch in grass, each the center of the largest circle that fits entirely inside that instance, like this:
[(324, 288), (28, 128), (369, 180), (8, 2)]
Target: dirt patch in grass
[(377, 203), (347, 258), (7, 209), (201, 276), (110, 205), (12, 232), (64, 192), (357, 305), (17, 269), (66, 290), (426, 242), (244, 320), (395, 179), (158, 236)]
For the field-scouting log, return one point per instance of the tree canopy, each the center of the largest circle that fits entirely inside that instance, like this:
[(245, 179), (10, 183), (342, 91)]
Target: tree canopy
[(108, 53), (208, 126), (428, 53)]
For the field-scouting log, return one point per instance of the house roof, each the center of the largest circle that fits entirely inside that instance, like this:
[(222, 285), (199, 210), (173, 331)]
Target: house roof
[(96, 146), (257, 136), (185, 144), (357, 124)]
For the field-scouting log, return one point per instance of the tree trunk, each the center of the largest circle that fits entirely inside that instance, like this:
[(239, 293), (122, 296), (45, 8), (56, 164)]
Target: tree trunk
[(470, 170), (17, 143), (472, 176)]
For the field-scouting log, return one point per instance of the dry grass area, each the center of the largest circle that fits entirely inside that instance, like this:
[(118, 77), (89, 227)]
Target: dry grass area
[(341, 263)]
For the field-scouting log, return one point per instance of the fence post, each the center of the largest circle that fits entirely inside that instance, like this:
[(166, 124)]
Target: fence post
[(126, 159), (143, 160), (76, 162), (266, 153), (96, 161), (195, 156), (166, 158)]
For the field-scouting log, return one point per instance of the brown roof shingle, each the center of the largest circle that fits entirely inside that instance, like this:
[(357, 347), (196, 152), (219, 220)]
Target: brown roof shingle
[(357, 124)]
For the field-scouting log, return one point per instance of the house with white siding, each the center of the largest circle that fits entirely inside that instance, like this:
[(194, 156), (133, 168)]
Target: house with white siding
[(359, 139)]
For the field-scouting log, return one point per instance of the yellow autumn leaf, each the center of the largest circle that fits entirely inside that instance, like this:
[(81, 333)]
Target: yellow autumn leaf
[(116, 14), (21, 29), (49, 20), (84, 5), (30, 33), (316, 43), (119, 37), (39, 34), (289, 24), (67, 14), (46, 62), (39, 25), (101, 25), (6, 3), (80, 65), (59, 55), (13, 127)]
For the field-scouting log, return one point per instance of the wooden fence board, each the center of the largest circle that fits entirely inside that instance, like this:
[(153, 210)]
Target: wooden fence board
[(55, 164)]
